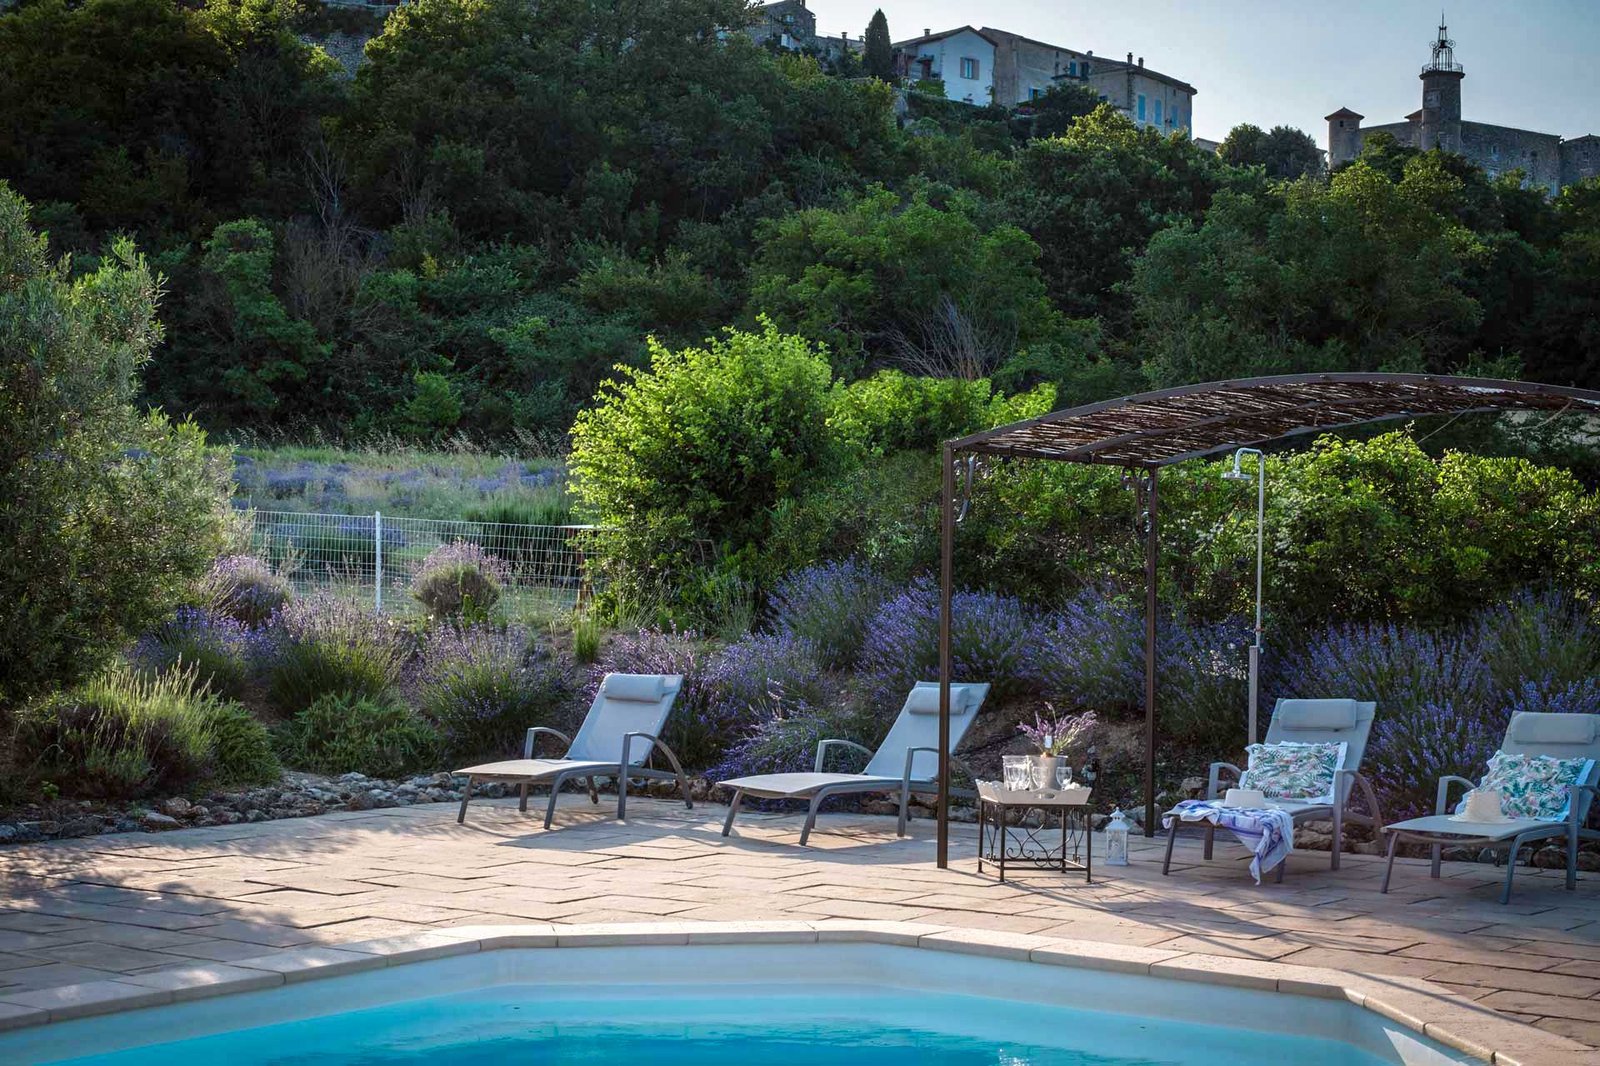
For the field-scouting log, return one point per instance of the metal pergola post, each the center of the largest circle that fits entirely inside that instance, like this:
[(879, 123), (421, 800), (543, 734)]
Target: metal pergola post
[(1152, 556)]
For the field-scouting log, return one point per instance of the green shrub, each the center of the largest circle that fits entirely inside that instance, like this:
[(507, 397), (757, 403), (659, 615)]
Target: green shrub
[(123, 736), (109, 514), (320, 645), (459, 581), (342, 732), (585, 636), (242, 747), (698, 449)]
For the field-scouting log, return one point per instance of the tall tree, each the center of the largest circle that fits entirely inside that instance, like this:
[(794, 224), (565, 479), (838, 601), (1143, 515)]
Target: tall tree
[(879, 58), (1285, 152)]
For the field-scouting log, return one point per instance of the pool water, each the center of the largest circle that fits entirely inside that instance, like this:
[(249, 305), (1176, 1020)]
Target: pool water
[(790, 1026)]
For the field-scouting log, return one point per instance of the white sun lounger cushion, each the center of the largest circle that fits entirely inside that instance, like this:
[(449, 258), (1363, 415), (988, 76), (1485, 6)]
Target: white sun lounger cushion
[(924, 699), (1318, 714), (1554, 728), (634, 688)]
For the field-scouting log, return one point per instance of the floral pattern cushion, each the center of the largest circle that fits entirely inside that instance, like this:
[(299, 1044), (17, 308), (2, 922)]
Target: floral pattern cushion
[(1533, 786), (1292, 770)]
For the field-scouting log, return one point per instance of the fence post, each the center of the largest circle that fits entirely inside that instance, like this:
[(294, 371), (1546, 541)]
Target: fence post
[(377, 561)]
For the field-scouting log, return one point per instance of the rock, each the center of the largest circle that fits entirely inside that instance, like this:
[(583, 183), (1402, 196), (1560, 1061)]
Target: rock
[(880, 807), (176, 807), (361, 801), (157, 820), (9, 834), (353, 779), (1193, 785), (1366, 847), (257, 815), (1589, 861), (1550, 858), (1489, 855)]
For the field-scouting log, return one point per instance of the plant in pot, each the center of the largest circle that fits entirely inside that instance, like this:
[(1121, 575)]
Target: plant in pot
[(1055, 736)]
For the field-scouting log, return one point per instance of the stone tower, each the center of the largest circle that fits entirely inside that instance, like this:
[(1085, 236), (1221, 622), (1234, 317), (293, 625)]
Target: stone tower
[(1344, 136), (1440, 125)]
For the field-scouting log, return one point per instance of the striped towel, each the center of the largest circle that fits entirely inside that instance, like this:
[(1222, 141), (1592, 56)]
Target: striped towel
[(1267, 832)]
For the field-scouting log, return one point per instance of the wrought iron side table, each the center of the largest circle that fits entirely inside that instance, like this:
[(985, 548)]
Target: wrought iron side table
[(1000, 842)]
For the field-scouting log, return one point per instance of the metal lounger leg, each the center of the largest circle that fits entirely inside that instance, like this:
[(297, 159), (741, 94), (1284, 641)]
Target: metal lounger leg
[(905, 802), (1511, 869), (466, 794), (594, 793), (622, 793), (555, 794), (1437, 854), (1572, 858), (1211, 837), (1172, 838), (1338, 830), (733, 811), (811, 815), (1277, 877), (1388, 867), (522, 797)]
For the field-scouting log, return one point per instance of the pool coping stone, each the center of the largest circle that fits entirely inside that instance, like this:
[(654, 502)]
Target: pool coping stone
[(1425, 1008)]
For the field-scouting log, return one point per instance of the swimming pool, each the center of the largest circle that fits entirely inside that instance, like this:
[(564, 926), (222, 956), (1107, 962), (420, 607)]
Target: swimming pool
[(778, 1002)]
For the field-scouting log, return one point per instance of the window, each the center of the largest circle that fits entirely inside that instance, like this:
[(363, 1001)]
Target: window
[(1072, 68), (1158, 112), (1034, 92), (969, 69), (1141, 107)]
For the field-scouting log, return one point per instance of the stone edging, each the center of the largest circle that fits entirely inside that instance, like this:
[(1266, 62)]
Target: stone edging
[(1443, 1016)]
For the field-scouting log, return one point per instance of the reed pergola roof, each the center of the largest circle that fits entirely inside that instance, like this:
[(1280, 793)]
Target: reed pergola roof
[(1155, 429)]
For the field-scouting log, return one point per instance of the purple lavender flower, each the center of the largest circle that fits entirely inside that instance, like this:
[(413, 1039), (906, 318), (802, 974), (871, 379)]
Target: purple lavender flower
[(992, 639), (484, 687), (214, 645), (245, 588), (830, 605)]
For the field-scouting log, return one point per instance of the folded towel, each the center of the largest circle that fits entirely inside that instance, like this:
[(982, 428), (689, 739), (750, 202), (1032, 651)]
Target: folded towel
[(1267, 832)]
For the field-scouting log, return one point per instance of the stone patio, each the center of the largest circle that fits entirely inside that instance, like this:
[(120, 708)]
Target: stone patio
[(103, 907)]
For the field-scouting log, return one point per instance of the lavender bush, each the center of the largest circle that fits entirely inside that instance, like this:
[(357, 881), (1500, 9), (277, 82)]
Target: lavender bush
[(1090, 653), (213, 646), (1545, 697), (694, 730), (1436, 714), (459, 580), (320, 645), (483, 688), (763, 676), (1203, 669), (830, 605), (992, 639), (788, 744), (245, 588), (1548, 639)]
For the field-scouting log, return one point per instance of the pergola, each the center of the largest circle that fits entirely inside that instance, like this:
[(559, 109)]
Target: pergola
[(1146, 432)]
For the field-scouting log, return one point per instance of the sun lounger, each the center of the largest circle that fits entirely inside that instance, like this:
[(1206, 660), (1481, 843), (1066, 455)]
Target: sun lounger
[(622, 729), (1346, 722), (1561, 736), (906, 762)]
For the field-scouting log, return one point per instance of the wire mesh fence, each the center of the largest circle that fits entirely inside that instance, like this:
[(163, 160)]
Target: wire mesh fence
[(376, 557)]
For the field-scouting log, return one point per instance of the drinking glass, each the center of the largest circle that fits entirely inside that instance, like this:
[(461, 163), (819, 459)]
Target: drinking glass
[(1063, 774), (1018, 771)]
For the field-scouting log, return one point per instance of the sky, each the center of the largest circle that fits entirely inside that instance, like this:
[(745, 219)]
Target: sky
[(1530, 63)]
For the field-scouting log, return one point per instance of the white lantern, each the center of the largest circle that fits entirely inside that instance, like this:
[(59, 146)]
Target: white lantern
[(1117, 839)]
